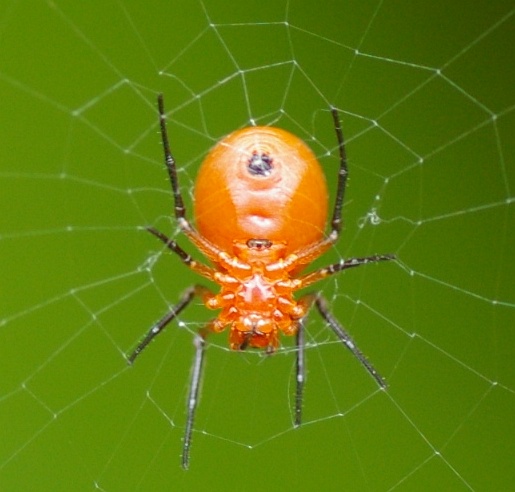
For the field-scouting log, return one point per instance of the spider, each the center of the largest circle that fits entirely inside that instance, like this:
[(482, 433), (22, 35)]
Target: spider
[(260, 214)]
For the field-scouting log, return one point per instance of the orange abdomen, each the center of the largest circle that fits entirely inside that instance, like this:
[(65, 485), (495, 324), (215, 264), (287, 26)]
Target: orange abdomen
[(261, 183)]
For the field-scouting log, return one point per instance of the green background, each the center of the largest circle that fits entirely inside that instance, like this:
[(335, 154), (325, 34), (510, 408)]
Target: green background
[(426, 93)]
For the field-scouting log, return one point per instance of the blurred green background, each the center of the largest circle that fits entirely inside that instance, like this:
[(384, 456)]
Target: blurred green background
[(426, 93)]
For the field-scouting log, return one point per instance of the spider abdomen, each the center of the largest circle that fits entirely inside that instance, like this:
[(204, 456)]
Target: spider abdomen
[(261, 182)]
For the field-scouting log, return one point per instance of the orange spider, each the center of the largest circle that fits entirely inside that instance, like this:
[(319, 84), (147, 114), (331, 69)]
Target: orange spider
[(261, 205)]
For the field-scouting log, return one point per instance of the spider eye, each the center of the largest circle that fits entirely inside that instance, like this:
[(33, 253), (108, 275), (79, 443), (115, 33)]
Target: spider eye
[(259, 243), (260, 164)]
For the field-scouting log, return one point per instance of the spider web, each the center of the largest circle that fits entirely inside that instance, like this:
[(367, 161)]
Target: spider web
[(427, 104)]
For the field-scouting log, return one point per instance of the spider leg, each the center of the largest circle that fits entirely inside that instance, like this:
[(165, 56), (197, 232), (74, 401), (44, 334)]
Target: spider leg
[(200, 242), (316, 249), (343, 172), (180, 209), (341, 333), (313, 251), (197, 267), (300, 372), (196, 375), (324, 272), (186, 298)]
